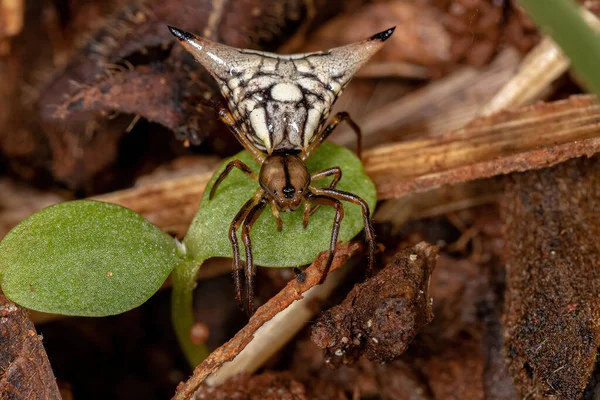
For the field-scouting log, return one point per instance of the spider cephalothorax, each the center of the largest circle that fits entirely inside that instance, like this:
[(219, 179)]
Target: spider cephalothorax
[(278, 108)]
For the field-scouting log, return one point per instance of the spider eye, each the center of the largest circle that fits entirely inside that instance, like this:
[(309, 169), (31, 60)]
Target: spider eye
[(288, 192)]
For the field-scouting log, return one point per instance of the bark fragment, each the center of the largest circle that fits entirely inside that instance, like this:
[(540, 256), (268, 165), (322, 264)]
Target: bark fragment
[(553, 281), (381, 316), (25, 371)]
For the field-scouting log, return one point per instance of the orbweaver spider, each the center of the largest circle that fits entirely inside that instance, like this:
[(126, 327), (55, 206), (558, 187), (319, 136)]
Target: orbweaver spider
[(278, 106)]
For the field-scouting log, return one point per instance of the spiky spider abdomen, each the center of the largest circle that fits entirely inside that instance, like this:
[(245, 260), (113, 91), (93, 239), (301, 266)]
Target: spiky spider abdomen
[(281, 102), (277, 113), (278, 107)]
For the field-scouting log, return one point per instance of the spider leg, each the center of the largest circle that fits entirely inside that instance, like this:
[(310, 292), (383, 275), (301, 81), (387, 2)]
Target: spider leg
[(251, 218), (307, 213), (339, 215), (278, 219), (237, 261), (226, 117), (233, 164), (337, 175), (354, 199), (335, 171), (324, 134)]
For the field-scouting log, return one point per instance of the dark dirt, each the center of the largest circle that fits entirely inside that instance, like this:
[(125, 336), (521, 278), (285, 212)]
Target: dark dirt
[(25, 372), (382, 315), (553, 280), (270, 386)]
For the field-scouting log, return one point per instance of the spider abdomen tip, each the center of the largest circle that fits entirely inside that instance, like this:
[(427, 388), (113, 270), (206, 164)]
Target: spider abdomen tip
[(181, 35), (383, 36)]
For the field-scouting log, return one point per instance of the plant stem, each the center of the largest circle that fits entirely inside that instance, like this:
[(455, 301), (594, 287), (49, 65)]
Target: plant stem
[(561, 19), (182, 309)]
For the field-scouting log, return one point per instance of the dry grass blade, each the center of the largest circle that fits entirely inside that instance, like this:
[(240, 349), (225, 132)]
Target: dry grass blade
[(529, 138), (544, 63), (288, 295), (539, 69)]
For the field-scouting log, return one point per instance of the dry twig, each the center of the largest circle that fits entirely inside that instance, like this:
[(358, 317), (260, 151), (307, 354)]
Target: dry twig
[(544, 63), (288, 295), (529, 138)]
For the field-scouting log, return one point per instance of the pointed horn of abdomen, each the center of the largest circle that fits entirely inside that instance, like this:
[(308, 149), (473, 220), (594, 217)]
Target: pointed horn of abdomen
[(341, 63), (220, 60)]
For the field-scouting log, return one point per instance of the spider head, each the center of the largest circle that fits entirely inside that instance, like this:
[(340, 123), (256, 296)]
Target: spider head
[(285, 178)]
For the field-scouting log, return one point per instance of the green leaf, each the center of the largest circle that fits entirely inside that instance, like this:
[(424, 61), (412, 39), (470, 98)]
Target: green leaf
[(294, 246), (561, 19), (85, 258)]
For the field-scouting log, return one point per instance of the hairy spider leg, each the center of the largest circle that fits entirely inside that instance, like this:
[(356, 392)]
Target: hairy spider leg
[(337, 175), (324, 134), (226, 117), (306, 213), (232, 164), (249, 221), (354, 199), (235, 225), (275, 212), (339, 216)]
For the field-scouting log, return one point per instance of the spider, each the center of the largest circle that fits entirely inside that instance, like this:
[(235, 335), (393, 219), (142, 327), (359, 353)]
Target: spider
[(278, 107)]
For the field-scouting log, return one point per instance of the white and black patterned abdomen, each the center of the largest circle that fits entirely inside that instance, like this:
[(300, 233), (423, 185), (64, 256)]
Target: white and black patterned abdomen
[(280, 106), (281, 102)]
